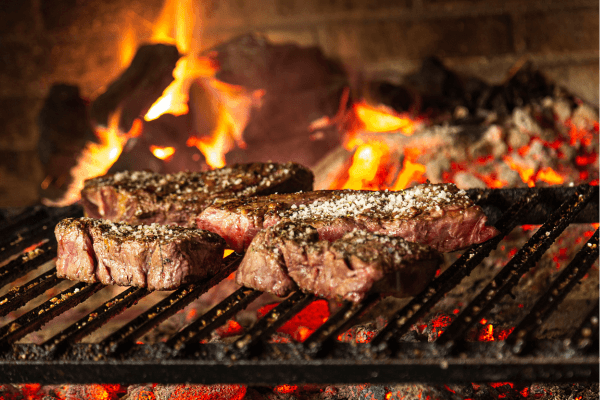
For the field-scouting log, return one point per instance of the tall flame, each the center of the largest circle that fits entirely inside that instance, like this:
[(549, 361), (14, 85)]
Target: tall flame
[(225, 107)]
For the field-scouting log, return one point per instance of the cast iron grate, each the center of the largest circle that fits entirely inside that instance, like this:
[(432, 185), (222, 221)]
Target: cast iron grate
[(321, 358)]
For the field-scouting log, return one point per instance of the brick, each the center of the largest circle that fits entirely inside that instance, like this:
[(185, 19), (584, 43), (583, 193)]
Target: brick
[(17, 17), (20, 64), (303, 7), (92, 64), (392, 39), (335, 6), (21, 174), (565, 31), (580, 80), (299, 37), (18, 119)]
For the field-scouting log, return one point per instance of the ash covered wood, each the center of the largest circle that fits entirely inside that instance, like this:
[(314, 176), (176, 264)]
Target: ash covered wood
[(138, 87)]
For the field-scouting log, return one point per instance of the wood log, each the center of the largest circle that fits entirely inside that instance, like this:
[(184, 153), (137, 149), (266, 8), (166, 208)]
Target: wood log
[(138, 87)]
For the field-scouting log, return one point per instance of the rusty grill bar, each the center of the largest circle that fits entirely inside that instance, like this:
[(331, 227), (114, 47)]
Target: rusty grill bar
[(252, 358)]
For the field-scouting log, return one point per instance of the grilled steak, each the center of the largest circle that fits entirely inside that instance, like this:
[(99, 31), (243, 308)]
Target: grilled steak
[(158, 257), (290, 255), (440, 216), (239, 220), (176, 199)]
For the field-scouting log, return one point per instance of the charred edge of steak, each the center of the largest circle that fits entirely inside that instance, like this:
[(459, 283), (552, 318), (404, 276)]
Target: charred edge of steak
[(146, 197), (346, 269), (155, 256)]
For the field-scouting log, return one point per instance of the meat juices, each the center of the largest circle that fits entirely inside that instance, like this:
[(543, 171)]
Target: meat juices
[(440, 216), (289, 256), (176, 199), (155, 256)]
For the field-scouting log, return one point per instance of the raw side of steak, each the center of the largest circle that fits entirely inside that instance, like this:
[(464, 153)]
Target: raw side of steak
[(176, 199), (345, 269), (440, 216), (158, 257)]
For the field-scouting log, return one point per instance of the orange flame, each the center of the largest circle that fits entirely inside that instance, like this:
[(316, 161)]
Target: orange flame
[(127, 46), (97, 158), (383, 119), (365, 164), (411, 170), (550, 176), (162, 153)]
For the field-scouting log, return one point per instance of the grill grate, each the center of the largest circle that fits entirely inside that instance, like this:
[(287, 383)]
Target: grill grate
[(253, 358)]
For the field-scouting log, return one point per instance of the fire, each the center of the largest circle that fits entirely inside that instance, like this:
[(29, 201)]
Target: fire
[(162, 153), (382, 119), (97, 158), (365, 164), (411, 170), (305, 322), (372, 156)]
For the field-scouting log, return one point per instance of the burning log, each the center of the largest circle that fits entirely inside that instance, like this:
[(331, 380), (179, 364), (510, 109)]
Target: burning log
[(134, 92), (65, 129), (300, 85)]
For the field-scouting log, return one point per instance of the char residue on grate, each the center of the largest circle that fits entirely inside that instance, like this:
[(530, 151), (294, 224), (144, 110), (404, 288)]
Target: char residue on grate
[(188, 355)]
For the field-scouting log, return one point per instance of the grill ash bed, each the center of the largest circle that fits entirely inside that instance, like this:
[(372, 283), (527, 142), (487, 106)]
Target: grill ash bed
[(252, 358)]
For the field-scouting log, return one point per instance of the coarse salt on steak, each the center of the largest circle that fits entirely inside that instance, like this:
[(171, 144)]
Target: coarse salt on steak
[(158, 257), (142, 197), (440, 215), (289, 256)]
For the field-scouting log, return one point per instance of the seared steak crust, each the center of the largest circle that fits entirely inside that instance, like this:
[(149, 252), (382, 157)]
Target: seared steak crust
[(346, 269), (155, 256), (176, 199), (239, 220), (441, 216)]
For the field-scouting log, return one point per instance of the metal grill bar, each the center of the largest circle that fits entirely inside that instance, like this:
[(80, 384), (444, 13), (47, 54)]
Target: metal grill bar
[(32, 229), (20, 295), (555, 294), (321, 358), (27, 262), (125, 337), (320, 341), (217, 316), (266, 326), (401, 322), (35, 318), (587, 334), (94, 320), (525, 258)]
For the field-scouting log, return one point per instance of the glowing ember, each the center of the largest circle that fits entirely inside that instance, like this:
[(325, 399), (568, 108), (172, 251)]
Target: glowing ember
[(487, 335), (284, 389), (231, 328), (97, 158), (303, 323), (162, 153)]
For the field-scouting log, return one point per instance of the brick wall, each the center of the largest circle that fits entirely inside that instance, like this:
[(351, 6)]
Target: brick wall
[(76, 41)]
